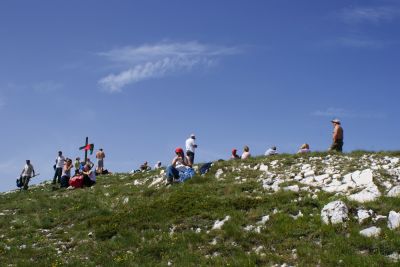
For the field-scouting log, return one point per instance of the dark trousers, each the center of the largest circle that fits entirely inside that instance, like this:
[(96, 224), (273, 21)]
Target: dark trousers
[(25, 182), (172, 173), (337, 146), (87, 181), (190, 154), (57, 175)]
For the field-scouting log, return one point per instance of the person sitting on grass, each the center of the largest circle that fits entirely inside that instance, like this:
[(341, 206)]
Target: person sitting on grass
[(271, 151), (158, 165), (234, 154), (246, 153), (89, 176), (305, 148), (180, 163), (145, 167), (66, 173)]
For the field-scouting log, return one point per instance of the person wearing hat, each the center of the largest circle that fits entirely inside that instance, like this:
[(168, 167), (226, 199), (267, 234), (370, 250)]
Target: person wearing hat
[(179, 164), (337, 144), (234, 154), (190, 147)]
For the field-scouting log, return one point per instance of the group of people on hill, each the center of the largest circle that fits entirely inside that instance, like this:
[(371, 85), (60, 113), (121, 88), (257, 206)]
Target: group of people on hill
[(84, 175), (84, 172), (180, 168)]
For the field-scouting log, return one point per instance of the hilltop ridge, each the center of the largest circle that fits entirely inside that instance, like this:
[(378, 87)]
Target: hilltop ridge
[(317, 209)]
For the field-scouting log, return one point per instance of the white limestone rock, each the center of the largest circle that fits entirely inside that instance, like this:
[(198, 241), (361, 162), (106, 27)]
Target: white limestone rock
[(370, 193), (393, 220), (294, 188), (218, 224), (264, 168), (394, 192), (334, 212), (371, 232), (363, 215), (219, 173), (364, 177)]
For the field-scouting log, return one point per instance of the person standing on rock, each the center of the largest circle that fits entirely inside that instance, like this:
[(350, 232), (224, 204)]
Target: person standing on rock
[(100, 160), (190, 147), (27, 173), (60, 160), (337, 144)]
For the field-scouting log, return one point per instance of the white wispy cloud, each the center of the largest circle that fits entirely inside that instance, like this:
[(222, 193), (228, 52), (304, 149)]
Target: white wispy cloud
[(153, 61), (332, 112), (47, 86), (374, 15)]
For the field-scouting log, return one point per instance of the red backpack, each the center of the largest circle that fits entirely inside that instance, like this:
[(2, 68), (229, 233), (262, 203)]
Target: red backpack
[(76, 181)]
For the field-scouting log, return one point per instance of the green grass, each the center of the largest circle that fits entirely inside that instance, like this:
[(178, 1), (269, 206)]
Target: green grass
[(94, 227)]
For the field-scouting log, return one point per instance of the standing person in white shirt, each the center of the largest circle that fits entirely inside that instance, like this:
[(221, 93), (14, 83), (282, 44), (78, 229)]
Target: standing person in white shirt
[(60, 160), (191, 147), (27, 174)]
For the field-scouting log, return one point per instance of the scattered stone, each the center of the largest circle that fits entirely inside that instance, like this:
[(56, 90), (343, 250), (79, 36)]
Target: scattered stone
[(219, 173), (393, 220), (334, 212), (394, 192), (371, 232), (294, 188), (363, 215), (295, 217), (394, 257), (264, 219), (126, 200), (370, 193), (218, 224)]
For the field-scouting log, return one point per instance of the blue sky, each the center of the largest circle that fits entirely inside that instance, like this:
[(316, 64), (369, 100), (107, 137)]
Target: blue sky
[(138, 77)]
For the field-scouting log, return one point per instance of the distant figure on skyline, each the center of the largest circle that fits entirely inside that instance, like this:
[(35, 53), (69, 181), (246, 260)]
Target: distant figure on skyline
[(234, 154), (246, 153), (271, 151), (305, 148), (27, 173), (158, 165), (191, 147), (145, 166), (337, 136), (100, 160), (60, 161)]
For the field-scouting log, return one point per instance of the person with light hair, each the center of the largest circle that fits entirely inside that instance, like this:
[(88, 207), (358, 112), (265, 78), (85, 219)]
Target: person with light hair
[(246, 153), (305, 148), (337, 136)]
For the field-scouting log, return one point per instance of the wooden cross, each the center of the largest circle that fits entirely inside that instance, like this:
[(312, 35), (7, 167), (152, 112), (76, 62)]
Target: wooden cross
[(87, 147)]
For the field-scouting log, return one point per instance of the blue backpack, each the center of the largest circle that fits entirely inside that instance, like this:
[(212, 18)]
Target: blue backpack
[(187, 174)]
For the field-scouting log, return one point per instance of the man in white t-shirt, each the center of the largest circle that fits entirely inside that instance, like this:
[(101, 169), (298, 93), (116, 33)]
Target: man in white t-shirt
[(60, 160), (191, 147), (27, 173)]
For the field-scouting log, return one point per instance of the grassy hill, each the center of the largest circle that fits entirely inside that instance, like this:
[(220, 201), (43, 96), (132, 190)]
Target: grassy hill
[(135, 220)]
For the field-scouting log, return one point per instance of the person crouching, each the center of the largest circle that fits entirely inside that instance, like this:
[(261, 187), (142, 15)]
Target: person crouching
[(180, 163), (89, 176)]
